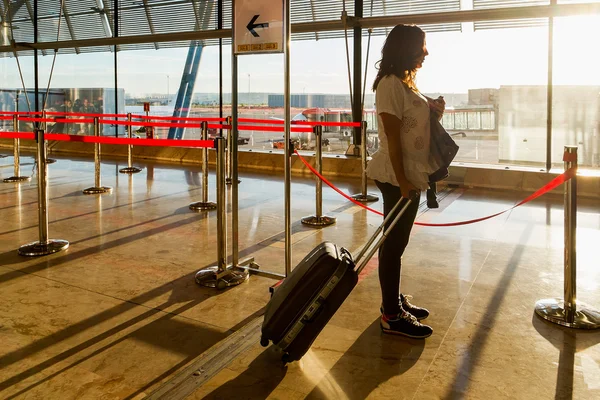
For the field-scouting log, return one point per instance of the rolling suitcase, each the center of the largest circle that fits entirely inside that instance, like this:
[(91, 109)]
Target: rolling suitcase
[(307, 299)]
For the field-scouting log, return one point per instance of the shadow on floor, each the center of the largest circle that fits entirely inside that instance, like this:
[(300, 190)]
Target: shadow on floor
[(374, 358), (477, 344), (258, 381), (568, 342), (177, 337)]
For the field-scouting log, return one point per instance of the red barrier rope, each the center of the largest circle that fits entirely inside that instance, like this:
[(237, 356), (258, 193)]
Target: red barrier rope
[(193, 119), (311, 123), (5, 118), (17, 135), (21, 112), (72, 114), (554, 183), (154, 124), (272, 128), (111, 140)]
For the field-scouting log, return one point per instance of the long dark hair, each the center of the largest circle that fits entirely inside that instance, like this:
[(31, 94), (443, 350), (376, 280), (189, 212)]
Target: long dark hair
[(399, 55)]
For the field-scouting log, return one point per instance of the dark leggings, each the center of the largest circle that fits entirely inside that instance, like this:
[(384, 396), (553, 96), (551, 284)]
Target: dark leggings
[(390, 253)]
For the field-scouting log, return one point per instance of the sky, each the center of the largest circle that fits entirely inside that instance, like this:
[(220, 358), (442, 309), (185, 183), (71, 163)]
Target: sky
[(458, 61)]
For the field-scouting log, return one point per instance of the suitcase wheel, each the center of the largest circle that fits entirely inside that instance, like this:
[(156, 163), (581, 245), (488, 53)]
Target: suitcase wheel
[(285, 358), (264, 342)]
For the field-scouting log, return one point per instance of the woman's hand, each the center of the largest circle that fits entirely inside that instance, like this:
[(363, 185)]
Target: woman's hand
[(437, 106)]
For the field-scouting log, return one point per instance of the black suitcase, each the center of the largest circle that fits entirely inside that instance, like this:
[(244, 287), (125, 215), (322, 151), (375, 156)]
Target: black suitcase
[(307, 299)]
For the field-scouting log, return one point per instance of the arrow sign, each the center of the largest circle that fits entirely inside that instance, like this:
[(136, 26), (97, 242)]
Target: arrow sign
[(251, 25)]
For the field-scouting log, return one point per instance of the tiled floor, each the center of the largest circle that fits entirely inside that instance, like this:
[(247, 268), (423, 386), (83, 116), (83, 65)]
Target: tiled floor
[(118, 313)]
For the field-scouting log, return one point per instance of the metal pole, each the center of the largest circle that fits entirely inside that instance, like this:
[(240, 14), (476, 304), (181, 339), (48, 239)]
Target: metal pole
[(229, 163), (205, 205), (220, 276), (364, 197), (44, 246), (130, 168), (221, 212), (97, 188), (17, 176), (357, 84), (288, 150), (116, 20), (318, 219), (44, 127), (570, 271), (568, 311), (235, 256)]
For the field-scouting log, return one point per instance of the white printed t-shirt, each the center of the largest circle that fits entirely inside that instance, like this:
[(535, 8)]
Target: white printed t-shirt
[(394, 97)]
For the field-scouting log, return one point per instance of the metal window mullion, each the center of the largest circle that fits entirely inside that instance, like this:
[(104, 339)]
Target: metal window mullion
[(70, 25), (30, 12), (150, 24), (104, 18), (314, 16)]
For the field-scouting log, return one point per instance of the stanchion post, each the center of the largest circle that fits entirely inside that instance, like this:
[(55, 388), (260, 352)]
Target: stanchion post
[(44, 126), (204, 205), (44, 246), (221, 275), (229, 164), (17, 163), (97, 188), (364, 197), (568, 311), (130, 168), (318, 220)]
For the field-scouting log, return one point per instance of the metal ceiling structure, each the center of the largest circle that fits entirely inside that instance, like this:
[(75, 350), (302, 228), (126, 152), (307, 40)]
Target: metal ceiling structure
[(84, 20), (87, 25)]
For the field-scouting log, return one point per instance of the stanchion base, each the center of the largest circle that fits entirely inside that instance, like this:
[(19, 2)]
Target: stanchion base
[(553, 310), (208, 277), (16, 179), (202, 206), (50, 160), (130, 170), (365, 198), (323, 220), (98, 190), (37, 249), (229, 181)]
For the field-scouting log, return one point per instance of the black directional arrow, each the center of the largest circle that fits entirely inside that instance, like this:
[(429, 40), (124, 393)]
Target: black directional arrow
[(251, 25)]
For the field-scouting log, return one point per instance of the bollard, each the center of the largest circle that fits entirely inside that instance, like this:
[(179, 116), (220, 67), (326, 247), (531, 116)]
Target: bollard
[(229, 165), (130, 169), (44, 128), (318, 219), (97, 188), (204, 204), (44, 246), (221, 276), (568, 311), (17, 177), (364, 197)]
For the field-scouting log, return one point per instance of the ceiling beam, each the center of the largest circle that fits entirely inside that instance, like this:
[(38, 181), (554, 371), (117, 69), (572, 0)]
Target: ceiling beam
[(560, 10)]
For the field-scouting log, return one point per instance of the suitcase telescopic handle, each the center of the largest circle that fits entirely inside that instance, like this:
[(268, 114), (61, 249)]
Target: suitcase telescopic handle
[(362, 259)]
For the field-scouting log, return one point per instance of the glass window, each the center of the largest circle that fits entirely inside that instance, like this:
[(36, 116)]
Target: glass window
[(576, 90), (494, 83)]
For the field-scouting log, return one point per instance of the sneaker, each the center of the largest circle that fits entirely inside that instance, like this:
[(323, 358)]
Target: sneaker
[(418, 312), (406, 325)]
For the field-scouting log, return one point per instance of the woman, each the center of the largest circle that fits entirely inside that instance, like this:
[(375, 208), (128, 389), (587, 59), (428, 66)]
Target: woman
[(401, 166)]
